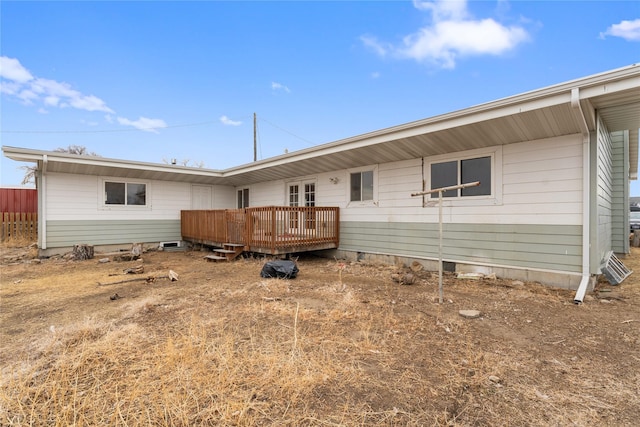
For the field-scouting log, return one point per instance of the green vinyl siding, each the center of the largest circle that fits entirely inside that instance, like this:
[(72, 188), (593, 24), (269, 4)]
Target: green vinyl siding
[(111, 232), (604, 195), (620, 192), (546, 247)]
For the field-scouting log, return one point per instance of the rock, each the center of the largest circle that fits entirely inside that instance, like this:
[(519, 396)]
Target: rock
[(542, 395), (416, 266), (472, 276), (408, 279), (494, 379), (104, 260), (491, 276), (136, 249), (469, 314), (517, 283)]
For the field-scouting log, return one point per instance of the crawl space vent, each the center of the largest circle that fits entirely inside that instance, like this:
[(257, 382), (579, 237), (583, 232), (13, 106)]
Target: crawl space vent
[(614, 270)]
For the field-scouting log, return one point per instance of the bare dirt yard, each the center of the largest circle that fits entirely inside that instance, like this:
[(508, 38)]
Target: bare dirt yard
[(343, 344)]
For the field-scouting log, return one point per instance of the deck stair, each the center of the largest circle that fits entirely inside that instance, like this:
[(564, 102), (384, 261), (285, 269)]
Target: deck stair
[(229, 252)]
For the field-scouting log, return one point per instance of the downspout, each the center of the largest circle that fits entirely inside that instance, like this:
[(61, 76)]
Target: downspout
[(42, 217), (586, 196)]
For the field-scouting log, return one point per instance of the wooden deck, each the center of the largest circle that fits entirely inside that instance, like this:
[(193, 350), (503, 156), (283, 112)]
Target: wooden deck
[(271, 230)]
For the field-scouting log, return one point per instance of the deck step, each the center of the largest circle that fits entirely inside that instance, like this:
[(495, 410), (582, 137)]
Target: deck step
[(234, 245), (215, 258), (224, 251)]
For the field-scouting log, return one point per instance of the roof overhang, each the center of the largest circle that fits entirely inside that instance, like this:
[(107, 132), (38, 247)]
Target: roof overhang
[(94, 165), (539, 114)]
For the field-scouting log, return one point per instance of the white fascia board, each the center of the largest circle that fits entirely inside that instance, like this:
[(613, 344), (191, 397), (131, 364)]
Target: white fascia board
[(29, 155), (609, 87)]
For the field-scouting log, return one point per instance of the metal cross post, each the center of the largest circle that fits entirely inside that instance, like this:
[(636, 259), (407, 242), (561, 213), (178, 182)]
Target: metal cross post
[(440, 191)]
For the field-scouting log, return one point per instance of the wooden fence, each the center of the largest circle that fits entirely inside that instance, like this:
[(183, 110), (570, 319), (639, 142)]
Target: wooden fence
[(16, 225)]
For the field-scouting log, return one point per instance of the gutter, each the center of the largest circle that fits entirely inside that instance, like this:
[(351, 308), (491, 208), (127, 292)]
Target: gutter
[(42, 217), (586, 196)]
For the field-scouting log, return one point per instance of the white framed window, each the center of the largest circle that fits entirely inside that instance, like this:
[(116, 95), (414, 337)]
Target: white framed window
[(483, 165), (463, 171), (124, 193), (362, 186)]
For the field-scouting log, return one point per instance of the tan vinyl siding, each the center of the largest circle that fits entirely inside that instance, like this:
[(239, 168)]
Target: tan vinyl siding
[(111, 232), (543, 247)]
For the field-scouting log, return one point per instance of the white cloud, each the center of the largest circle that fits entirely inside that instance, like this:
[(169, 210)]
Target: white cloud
[(9, 88), (19, 82), (371, 42), (144, 123), (27, 96), (452, 34), (11, 69), (227, 121), (628, 30), (52, 101), (443, 9), (278, 86)]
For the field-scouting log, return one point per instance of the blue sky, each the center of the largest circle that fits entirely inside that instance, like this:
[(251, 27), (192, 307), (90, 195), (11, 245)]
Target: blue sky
[(155, 80)]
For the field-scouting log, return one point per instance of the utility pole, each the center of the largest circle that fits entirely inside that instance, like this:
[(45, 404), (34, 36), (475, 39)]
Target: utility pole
[(255, 142)]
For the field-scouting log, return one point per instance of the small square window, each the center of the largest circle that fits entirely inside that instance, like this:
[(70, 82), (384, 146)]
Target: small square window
[(362, 186), (115, 193), (136, 194)]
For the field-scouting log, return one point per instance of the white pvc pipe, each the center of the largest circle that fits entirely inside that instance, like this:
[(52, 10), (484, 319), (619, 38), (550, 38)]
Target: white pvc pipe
[(586, 198), (42, 217)]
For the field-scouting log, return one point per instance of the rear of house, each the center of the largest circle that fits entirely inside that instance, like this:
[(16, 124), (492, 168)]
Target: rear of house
[(554, 166)]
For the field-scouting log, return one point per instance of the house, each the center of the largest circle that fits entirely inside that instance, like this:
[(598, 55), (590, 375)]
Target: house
[(554, 166)]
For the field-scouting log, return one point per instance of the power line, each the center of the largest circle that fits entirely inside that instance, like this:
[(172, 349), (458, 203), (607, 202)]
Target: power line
[(144, 129), (286, 131)]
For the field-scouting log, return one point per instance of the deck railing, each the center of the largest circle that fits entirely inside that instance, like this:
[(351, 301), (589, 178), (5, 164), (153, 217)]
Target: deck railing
[(268, 229)]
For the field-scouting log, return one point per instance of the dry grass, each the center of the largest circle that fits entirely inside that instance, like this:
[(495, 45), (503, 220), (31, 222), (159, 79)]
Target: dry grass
[(21, 242), (342, 345)]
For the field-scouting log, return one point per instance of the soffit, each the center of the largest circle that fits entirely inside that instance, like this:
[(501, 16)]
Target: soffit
[(540, 114)]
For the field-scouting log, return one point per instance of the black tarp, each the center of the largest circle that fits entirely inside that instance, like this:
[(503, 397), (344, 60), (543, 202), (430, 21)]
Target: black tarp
[(281, 269)]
